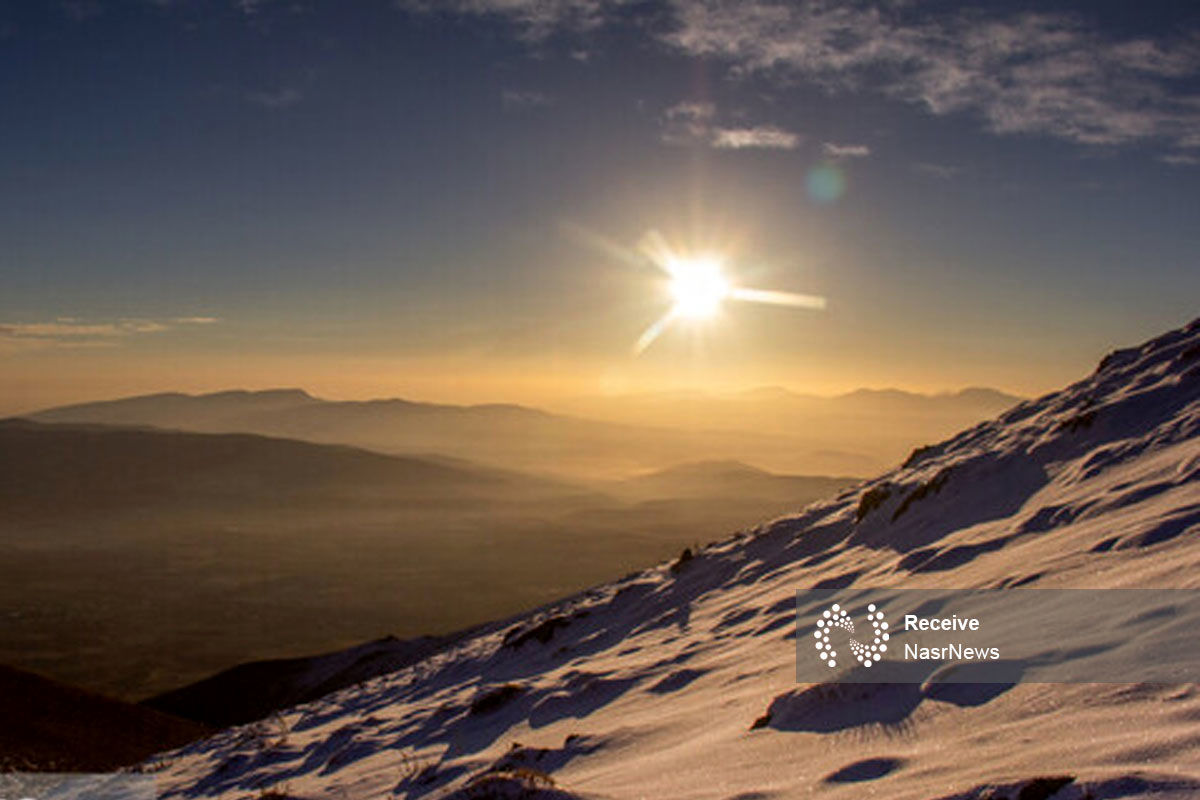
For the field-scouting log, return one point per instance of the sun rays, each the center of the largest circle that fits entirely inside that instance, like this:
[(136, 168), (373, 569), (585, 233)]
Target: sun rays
[(699, 287)]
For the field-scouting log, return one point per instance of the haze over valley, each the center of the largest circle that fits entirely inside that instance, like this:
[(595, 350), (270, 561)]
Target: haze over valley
[(234, 543)]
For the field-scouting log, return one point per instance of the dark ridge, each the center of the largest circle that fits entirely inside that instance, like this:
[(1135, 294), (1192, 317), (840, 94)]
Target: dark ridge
[(254, 690), (47, 726)]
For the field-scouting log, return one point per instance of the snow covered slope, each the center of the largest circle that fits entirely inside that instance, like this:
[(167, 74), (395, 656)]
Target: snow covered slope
[(678, 682)]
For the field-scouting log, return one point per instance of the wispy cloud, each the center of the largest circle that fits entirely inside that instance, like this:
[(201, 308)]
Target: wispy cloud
[(76, 332), (281, 98), (1180, 160), (252, 9), (840, 151), (1020, 73), (942, 171), (534, 19), (692, 123), (687, 123), (1023, 74), (691, 110), (762, 137), (516, 99)]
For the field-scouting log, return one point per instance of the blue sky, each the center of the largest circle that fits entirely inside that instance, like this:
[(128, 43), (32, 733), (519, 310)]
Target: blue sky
[(426, 198)]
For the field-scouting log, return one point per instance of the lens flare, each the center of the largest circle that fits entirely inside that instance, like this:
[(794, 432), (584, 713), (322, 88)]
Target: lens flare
[(826, 184)]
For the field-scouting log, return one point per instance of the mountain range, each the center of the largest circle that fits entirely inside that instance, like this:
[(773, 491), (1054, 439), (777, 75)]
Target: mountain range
[(599, 438)]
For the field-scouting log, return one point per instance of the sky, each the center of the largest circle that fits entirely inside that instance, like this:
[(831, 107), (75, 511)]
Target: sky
[(450, 200)]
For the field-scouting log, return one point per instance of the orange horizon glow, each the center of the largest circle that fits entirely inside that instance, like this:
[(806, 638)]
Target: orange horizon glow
[(437, 381)]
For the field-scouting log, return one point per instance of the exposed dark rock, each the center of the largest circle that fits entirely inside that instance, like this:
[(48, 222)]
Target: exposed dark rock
[(872, 499), (931, 486), (496, 698)]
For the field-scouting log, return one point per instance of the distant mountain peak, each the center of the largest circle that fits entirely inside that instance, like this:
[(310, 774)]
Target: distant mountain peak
[(986, 393), (265, 394), (886, 391)]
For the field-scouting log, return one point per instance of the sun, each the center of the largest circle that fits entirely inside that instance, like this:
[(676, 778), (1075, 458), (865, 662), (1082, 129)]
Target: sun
[(697, 286)]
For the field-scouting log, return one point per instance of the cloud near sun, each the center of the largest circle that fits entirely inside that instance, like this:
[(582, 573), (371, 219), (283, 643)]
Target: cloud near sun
[(690, 123), (1019, 73)]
